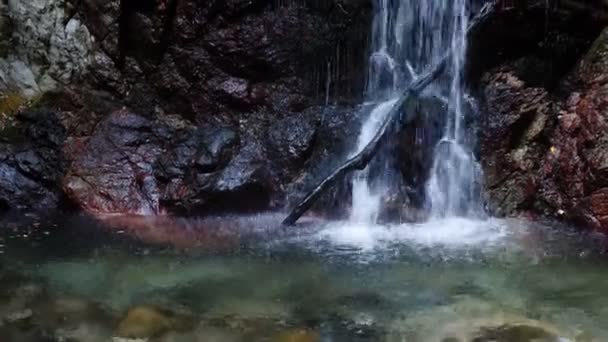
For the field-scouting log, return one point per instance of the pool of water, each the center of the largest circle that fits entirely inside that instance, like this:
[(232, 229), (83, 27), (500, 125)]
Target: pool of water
[(249, 279)]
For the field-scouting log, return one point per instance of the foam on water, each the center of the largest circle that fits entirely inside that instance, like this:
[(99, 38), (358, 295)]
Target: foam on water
[(447, 233)]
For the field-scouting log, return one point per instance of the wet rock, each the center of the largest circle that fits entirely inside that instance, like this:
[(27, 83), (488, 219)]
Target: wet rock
[(220, 59), (528, 34), (249, 49), (146, 322), (331, 145), (508, 146), (132, 164), (291, 139), (413, 152), (115, 172), (234, 92), (226, 172)]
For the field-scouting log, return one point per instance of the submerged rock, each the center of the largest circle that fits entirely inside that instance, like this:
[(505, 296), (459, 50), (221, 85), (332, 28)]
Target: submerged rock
[(147, 321), (471, 320), (516, 333)]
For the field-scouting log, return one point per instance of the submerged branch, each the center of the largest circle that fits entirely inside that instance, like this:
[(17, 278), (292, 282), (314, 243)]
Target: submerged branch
[(362, 159)]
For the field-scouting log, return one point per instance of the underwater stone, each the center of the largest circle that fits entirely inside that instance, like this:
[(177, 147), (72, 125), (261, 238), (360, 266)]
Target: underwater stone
[(19, 316), (148, 321), (517, 333)]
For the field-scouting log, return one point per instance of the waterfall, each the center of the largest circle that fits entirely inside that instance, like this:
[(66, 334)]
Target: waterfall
[(408, 37)]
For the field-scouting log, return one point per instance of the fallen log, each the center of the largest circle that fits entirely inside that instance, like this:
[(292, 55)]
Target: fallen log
[(362, 159)]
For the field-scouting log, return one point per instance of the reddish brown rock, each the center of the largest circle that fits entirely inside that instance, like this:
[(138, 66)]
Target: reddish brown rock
[(114, 174)]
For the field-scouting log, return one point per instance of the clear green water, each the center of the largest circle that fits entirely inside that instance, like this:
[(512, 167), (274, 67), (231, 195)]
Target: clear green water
[(247, 279)]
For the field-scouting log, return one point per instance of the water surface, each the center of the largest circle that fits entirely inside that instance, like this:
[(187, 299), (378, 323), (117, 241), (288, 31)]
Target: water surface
[(248, 279)]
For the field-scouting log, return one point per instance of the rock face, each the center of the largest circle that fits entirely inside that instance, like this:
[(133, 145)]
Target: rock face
[(546, 150), (181, 105)]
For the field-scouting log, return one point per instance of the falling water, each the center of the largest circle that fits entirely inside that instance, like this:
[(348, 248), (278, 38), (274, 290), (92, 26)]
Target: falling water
[(408, 37), (453, 187)]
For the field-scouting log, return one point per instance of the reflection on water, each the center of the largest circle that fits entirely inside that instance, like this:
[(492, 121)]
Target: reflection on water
[(247, 279)]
